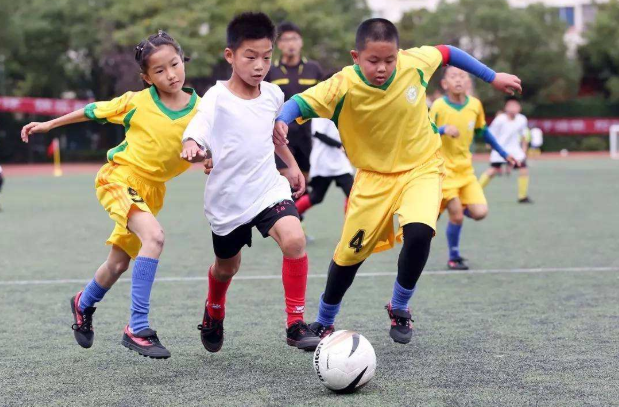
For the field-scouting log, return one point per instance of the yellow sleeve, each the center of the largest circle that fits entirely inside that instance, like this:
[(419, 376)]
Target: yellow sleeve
[(322, 100), (112, 111), (426, 59), (480, 121)]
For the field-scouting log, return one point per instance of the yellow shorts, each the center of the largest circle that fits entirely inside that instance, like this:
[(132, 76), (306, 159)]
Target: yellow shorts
[(118, 190), (415, 196), (466, 188)]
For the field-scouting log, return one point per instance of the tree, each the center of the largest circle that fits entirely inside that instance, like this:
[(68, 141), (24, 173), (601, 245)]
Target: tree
[(600, 55)]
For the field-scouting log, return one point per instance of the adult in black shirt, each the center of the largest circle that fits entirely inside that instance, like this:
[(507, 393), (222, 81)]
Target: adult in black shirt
[(293, 73)]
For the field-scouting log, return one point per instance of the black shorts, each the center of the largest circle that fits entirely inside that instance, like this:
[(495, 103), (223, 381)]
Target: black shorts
[(523, 164), (300, 145), (320, 185), (229, 245)]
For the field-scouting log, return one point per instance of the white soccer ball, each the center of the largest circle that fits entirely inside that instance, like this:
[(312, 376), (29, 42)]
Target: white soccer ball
[(344, 361)]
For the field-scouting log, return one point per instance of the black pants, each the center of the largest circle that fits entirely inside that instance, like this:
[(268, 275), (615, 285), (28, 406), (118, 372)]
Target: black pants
[(320, 185)]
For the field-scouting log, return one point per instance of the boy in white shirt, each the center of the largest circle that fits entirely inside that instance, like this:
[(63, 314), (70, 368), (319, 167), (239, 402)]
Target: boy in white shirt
[(510, 129), (244, 189)]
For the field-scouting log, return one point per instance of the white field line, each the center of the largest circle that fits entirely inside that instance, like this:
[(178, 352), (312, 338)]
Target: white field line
[(391, 274)]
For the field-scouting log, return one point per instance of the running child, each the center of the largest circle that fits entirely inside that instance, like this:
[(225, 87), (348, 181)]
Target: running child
[(244, 189), (459, 118), (379, 106), (131, 186)]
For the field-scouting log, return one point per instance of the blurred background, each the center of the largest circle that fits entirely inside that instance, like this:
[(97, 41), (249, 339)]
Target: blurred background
[(56, 56)]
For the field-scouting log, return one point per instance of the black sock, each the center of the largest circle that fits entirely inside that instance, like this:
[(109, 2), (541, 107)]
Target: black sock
[(414, 254), (338, 281)]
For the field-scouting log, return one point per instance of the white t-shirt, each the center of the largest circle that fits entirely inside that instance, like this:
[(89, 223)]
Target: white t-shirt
[(537, 137), (327, 161), (509, 132), (238, 132)]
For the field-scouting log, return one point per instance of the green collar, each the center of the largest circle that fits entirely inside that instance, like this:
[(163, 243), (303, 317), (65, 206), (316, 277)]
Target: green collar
[(455, 105), (384, 86), (174, 114)]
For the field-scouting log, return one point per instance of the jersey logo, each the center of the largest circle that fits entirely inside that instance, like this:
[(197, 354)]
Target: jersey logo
[(471, 125), (134, 195), (411, 94)]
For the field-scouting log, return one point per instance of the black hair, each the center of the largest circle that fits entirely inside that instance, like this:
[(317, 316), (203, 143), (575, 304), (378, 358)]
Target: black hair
[(514, 98), (376, 29), (249, 26), (145, 48), (286, 27)]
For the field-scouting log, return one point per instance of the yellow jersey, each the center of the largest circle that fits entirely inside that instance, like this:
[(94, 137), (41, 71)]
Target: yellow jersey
[(153, 132), (384, 128), (469, 118)]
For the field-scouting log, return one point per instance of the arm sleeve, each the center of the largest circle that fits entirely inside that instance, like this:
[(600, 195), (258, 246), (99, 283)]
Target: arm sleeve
[(289, 111), (321, 100), (327, 140), (201, 126), (489, 138), (456, 57), (441, 130), (426, 60), (112, 111)]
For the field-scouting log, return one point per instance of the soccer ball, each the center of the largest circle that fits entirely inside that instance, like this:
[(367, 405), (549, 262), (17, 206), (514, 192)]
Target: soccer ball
[(344, 361)]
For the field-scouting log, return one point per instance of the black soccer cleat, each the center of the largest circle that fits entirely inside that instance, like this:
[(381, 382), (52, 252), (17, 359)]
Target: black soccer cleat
[(211, 332), (525, 200), (301, 336), (457, 264), (401, 324), (320, 330), (145, 342), (82, 322)]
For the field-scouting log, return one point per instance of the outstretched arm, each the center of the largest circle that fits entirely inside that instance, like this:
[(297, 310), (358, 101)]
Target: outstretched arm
[(501, 81), (43, 127), (490, 139)]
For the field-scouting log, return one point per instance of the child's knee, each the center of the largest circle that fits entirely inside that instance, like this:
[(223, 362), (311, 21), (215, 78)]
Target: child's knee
[(293, 245), (225, 270), (479, 213), (155, 239), (456, 218), (417, 234)]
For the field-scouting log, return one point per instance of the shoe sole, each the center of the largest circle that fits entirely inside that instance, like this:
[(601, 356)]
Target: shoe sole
[(139, 350), (308, 346), (75, 334), (209, 348), (403, 341)]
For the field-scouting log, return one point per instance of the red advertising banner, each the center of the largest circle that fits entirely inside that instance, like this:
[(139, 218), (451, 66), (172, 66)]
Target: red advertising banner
[(575, 125), (41, 106)]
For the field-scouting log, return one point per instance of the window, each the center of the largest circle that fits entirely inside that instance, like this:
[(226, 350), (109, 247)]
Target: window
[(567, 14)]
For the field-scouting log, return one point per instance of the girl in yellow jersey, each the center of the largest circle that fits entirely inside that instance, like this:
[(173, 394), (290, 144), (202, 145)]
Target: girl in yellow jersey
[(131, 186)]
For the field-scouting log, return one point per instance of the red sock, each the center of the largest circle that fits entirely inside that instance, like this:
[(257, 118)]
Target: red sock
[(294, 277), (303, 204), (216, 300)]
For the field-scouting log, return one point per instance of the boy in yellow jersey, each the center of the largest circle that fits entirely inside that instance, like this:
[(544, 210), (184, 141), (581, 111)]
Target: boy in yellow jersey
[(131, 186), (379, 106), (459, 118)]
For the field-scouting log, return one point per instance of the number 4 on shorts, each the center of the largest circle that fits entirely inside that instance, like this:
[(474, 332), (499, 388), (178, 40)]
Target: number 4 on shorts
[(357, 241)]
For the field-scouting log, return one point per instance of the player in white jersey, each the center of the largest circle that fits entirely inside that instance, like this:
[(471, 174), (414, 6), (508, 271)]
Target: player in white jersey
[(244, 189), (328, 163), (510, 129)]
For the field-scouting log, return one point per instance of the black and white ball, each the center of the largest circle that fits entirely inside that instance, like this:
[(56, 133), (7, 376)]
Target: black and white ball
[(344, 361)]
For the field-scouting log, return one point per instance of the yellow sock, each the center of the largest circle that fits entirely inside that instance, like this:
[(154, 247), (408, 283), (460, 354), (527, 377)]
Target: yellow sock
[(484, 180), (523, 186)]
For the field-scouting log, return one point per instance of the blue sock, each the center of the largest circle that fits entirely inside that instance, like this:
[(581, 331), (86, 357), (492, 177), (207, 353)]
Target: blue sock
[(327, 312), (453, 240), (142, 280), (467, 213), (401, 296), (92, 294)]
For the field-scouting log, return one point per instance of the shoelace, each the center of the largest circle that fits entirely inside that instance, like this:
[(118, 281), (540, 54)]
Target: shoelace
[(86, 324), (402, 321), (209, 327)]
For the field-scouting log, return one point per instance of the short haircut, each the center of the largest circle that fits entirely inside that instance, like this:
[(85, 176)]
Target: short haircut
[(286, 27), (249, 26), (512, 98), (376, 29)]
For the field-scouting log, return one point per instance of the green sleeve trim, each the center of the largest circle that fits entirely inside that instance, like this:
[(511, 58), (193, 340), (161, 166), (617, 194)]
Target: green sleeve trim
[(338, 110), (112, 152), (89, 112), (480, 132), (127, 119), (423, 82), (307, 112)]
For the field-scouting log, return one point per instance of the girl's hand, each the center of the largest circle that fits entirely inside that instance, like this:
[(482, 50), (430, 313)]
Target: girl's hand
[(192, 152), (34, 127)]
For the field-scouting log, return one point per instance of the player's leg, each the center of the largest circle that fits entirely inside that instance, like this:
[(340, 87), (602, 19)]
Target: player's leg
[(83, 303), (454, 229), (523, 184), (418, 210), (319, 187), (138, 335), (345, 182), (282, 223), (487, 176)]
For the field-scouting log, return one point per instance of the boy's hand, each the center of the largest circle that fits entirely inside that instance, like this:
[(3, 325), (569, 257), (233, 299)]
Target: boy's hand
[(297, 181), (512, 161), (507, 83), (280, 133), (192, 152), (208, 166), (34, 127), (452, 131)]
